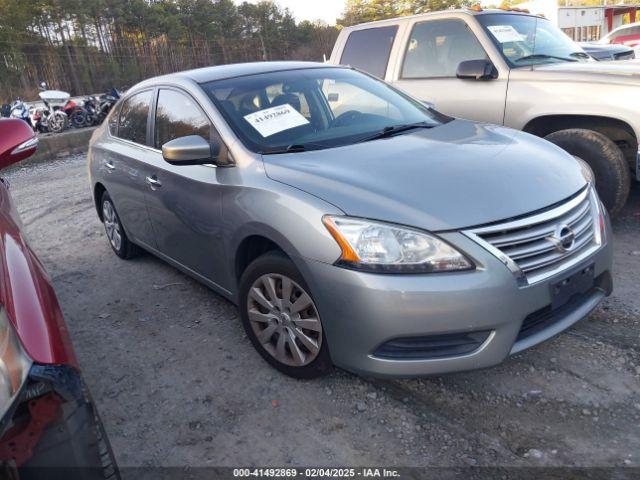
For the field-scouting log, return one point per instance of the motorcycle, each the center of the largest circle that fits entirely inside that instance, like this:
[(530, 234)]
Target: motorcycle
[(107, 101), (78, 116), (92, 108), (20, 111), (51, 118)]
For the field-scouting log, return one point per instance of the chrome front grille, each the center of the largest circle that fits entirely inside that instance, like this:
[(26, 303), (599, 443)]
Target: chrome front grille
[(541, 245)]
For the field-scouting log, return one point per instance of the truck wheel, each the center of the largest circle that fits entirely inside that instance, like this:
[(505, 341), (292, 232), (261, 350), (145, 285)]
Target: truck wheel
[(609, 166)]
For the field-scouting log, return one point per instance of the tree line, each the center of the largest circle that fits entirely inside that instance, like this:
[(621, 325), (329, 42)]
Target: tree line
[(89, 46)]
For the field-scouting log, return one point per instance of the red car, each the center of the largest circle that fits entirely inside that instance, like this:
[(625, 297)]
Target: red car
[(49, 427), (628, 35)]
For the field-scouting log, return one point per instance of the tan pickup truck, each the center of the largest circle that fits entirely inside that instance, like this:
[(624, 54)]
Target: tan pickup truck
[(515, 69)]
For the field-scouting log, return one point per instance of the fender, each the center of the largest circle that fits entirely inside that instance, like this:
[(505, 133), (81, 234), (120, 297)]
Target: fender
[(27, 295)]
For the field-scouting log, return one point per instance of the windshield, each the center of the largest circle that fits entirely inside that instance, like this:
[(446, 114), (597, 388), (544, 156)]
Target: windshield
[(313, 108), (526, 40)]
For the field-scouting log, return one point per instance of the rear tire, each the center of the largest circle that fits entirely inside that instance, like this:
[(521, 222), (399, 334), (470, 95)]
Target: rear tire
[(292, 338), (79, 119), (613, 180), (118, 240)]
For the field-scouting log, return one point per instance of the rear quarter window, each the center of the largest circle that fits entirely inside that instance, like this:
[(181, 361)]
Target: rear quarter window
[(369, 49)]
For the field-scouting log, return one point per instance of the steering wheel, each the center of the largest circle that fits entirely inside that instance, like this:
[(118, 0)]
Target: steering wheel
[(247, 105), (346, 118)]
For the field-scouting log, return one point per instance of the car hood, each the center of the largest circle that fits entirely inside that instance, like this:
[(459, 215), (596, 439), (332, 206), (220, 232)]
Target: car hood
[(606, 52), (456, 175), (613, 69), (608, 49)]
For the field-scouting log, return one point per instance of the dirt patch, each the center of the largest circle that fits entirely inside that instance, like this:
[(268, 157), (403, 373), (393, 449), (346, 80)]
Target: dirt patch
[(178, 384)]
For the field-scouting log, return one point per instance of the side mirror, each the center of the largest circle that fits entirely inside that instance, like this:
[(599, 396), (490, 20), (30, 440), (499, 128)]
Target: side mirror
[(17, 141), (191, 150), (477, 70)]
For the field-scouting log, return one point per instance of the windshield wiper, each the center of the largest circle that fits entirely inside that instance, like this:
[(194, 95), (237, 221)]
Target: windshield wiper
[(393, 129), (536, 56), (288, 149), (384, 133), (295, 147)]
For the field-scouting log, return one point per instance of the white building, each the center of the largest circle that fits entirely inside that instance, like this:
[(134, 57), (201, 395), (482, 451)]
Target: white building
[(583, 23)]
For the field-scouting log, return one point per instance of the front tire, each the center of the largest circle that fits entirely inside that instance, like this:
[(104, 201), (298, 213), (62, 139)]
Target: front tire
[(58, 122), (120, 244), (281, 319), (609, 166)]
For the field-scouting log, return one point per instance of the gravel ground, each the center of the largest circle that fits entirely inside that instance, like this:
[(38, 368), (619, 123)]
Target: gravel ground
[(178, 384)]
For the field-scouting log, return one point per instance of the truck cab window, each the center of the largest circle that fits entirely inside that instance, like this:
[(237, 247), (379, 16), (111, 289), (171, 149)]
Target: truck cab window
[(436, 48), (360, 45)]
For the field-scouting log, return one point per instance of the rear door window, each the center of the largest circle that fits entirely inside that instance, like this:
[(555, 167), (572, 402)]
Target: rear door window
[(437, 47), (369, 49), (113, 120), (134, 116)]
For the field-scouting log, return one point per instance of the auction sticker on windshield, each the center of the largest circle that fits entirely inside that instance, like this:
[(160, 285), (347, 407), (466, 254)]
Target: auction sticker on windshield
[(505, 33), (275, 119)]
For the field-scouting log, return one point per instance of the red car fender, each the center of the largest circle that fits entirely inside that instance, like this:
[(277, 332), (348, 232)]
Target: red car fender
[(27, 295)]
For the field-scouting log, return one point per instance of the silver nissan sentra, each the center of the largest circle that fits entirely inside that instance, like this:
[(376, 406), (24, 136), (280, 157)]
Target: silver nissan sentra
[(351, 224)]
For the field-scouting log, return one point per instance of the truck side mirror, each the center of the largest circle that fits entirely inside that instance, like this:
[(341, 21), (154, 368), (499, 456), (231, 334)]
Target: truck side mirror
[(477, 70)]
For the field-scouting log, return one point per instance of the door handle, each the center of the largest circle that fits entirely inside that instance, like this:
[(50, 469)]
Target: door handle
[(110, 166), (153, 182)]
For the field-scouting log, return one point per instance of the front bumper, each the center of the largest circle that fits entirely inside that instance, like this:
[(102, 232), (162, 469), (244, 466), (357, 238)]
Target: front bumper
[(362, 311), (53, 431)]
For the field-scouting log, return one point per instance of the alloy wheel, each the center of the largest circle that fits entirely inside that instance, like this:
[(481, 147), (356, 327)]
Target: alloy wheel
[(284, 319), (111, 225), (56, 123)]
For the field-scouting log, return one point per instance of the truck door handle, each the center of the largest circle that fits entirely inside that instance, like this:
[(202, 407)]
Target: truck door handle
[(110, 166), (154, 182)]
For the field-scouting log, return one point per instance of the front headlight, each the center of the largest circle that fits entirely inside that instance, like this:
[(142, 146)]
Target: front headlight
[(379, 247), (14, 363)]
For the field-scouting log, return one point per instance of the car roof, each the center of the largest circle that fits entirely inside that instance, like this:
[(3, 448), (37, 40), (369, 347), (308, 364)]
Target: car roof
[(219, 72), (443, 13), (625, 26)]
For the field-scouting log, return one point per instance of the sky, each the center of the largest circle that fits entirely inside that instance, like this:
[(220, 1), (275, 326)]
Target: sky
[(327, 10)]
